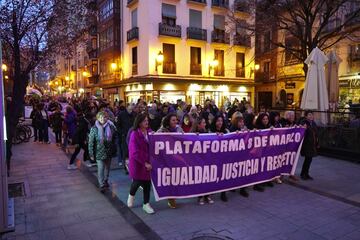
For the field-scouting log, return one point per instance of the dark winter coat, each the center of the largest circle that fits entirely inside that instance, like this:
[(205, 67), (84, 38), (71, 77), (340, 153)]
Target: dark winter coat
[(36, 118), (56, 121), (124, 122), (311, 140), (82, 131)]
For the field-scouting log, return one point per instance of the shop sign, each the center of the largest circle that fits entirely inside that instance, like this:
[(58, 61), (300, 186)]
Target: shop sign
[(112, 91), (350, 83), (290, 85)]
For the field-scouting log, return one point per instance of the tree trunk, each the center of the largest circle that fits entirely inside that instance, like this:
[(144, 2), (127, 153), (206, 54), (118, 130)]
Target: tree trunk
[(305, 68)]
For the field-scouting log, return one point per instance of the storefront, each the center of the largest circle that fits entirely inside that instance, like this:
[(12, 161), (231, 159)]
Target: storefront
[(193, 93), (349, 89)]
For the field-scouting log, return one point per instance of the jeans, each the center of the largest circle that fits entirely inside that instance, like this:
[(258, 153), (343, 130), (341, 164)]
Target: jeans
[(44, 132), (77, 150), (36, 134), (103, 171), (146, 185), (58, 136), (119, 152)]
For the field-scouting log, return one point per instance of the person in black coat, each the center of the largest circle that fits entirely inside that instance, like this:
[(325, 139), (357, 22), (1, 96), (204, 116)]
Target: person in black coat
[(56, 122), (80, 139), (124, 122), (36, 122), (310, 144)]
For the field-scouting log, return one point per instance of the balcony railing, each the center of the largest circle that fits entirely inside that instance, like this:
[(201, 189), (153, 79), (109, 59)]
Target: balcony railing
[(196, 33), (133, 34), (354, 56), (241, 6), (134, 69), (219, 36), (93, 30), (94, 79), (262, 76), (197, 1), (240, 72), (220, 3), (219, 71), (131, 2), (168, 30), (242, 40), (195, 69), (93, 54), (169, 67)]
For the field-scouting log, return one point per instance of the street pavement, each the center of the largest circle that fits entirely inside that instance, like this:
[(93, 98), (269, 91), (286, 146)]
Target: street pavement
[(66, 205), (60, 204)]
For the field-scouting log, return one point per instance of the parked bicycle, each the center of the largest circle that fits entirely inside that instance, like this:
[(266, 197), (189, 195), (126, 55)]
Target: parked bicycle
[(23, 132)]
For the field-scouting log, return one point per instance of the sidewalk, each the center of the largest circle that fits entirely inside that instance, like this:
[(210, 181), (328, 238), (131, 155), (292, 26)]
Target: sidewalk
[(61, 204), (320, 212)]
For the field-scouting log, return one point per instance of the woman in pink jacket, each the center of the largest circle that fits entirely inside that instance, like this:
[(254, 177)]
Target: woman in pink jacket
[(139, 161)]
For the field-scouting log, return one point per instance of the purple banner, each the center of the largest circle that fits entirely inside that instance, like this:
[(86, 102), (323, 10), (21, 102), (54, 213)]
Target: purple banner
[(190, 165)]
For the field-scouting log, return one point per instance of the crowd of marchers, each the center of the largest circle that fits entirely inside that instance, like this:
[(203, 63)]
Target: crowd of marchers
[(105, 131)]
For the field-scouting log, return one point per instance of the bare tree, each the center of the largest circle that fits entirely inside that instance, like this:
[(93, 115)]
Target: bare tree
[(31, 31), (311, 23)]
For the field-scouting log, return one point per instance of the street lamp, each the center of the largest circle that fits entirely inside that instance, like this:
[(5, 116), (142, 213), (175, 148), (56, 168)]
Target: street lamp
[(159, 60), (252, 70), (113, 66), (214, 63), (67, 78), (4, 67)]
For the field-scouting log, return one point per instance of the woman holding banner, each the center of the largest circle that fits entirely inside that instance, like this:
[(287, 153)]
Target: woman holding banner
[(139, 161), (169, 124), (199, 127), (218, 126), (238, 124)]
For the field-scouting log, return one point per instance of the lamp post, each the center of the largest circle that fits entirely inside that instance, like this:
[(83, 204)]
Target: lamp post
[(252, 70), (213, 64), (159, 60)]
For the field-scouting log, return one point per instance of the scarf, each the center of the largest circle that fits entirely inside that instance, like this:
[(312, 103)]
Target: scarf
[(106, 128)]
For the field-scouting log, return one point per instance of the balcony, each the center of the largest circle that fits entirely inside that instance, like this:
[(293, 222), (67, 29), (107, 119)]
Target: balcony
[(134, 69), (241, 6), (93, 30), (93, 54), (195, 69), (169, 67), (240, 72), (196, 33), (219, 36), (168, 30), (133, 34), (241, 40), (219, 71), (131, 3), (262, 76), (94, 79), (202, 2), (220, 3), (354, 56)]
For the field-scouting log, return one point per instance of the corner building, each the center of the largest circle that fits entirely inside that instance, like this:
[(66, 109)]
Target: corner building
[(185, 49)]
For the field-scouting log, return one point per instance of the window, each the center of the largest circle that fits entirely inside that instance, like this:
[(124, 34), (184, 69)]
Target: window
[(134, 61), (219, 22), (169, 65), (291, 42), (168, 14), (266, 67), (266, 41), (106, 39), (219, 70), (240, 65), (94, 67), (134, 18), (106, 10), (195, 18), (195, 61)]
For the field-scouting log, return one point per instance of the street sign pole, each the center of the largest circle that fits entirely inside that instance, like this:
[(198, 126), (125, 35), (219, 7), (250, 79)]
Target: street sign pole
[(4, 227)]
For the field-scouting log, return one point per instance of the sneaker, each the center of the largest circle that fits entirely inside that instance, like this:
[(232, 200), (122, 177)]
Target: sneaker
[(120, 164), (130, 201), (244, 193), (258, 188), (148, 209), (201, 201), (278, 181), (71, 167), (209, 200), (223, 197), (48, 142), (172, 203), (91, 164)]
